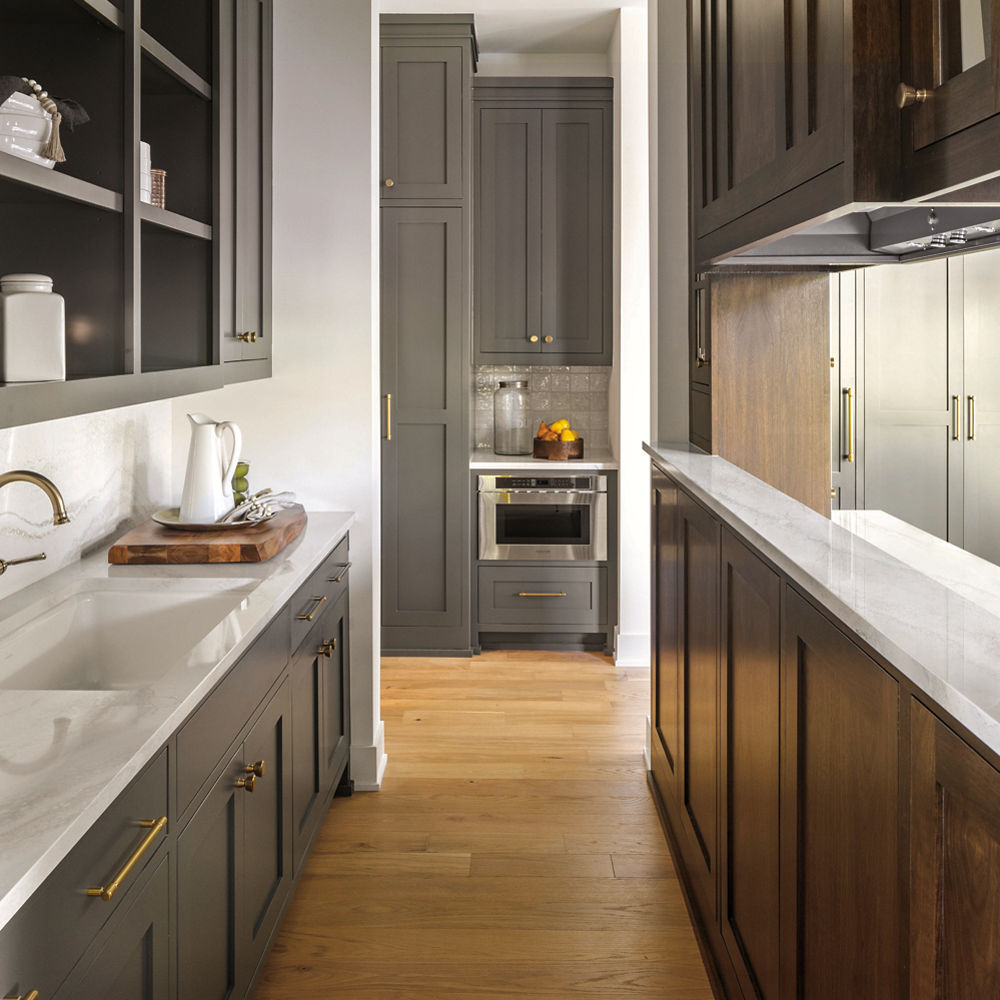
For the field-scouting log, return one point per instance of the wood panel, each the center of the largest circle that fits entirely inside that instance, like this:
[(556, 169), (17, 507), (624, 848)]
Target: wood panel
[(770, 382), (954, 866), (513, 850), (698, 547), (750, 778), (841, 904)]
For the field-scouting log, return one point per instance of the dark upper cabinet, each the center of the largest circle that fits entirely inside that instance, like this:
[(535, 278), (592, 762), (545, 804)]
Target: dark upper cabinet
[(246, 211), (427, 62), (792, 114), (951, 60), (954, 871), (543, 225)]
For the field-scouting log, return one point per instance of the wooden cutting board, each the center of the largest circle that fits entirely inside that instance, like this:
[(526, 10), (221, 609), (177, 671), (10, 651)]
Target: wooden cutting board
[(152, 543)]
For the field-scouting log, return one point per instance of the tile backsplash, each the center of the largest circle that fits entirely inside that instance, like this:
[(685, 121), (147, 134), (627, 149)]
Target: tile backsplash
[(578, 392)]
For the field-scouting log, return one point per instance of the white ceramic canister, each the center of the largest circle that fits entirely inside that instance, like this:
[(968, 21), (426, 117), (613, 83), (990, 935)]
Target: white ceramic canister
[(32, 329)]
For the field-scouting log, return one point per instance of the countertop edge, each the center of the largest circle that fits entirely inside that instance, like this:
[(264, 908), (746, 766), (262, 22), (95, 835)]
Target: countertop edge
[(19, 892), (874, 628)]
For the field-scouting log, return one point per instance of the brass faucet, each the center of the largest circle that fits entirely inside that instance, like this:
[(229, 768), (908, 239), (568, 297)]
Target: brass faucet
[(49, 488)]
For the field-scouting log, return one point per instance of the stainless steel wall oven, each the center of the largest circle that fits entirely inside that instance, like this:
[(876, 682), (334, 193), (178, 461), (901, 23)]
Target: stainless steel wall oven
[(543, 517)]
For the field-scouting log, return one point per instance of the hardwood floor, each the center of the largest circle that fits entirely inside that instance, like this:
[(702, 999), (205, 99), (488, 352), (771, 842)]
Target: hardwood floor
[(514, 850)]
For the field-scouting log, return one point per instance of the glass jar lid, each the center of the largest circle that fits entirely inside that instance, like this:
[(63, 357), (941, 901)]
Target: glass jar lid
[(513, 384)]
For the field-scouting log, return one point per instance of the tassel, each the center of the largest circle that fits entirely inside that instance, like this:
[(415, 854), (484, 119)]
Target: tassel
[(53, 148)]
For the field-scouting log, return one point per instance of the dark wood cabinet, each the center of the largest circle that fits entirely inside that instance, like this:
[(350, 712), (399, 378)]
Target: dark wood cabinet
[(792, 115), (750, 779), (951, 129), (543, 228), (954, 874), (698, 543), (841, 905)]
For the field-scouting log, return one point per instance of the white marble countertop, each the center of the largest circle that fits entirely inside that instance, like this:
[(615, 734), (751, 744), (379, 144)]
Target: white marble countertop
[(945, 643), (65, 756), (591, 462)]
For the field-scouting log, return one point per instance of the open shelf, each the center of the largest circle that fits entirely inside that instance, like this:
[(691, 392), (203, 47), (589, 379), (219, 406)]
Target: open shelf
[(179, 70), (13, 168), (177, 124), (86, 264), (178, 329), (175, 223), (184, 28), (73, 52)]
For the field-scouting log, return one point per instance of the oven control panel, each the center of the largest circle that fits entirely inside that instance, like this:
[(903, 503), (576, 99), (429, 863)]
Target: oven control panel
[(506, 483)]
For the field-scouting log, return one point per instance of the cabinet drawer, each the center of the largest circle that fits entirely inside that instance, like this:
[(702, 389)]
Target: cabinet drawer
[(539, 595), (322, 590), (52, 930), (206, 736)]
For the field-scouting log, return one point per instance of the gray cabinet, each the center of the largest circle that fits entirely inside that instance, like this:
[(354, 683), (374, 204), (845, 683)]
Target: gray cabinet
[(932, 398), (543, 228), (246, 329), (425, 536)]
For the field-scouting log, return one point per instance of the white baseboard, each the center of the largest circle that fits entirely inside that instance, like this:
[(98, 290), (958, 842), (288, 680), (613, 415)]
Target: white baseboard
[(632, 649), (368, 763)]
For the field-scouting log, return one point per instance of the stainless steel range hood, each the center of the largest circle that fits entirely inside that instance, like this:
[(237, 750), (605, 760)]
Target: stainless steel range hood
[(862, 235)]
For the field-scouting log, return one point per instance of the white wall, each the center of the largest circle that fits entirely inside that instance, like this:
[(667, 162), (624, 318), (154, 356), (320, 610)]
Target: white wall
[(113, 470), (670, 180), (630, 402), (313, 427)]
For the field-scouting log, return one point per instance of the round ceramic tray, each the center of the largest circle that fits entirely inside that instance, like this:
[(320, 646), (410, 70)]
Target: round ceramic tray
[(170, 518)]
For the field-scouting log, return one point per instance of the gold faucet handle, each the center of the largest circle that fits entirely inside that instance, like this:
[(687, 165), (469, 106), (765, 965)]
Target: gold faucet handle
[(5, 563)]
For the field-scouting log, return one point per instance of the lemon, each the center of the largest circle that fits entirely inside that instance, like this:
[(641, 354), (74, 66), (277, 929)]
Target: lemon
[(559, 425)]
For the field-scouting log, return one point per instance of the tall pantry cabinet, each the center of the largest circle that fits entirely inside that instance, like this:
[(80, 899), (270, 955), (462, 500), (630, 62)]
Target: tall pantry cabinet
[(426, 314)]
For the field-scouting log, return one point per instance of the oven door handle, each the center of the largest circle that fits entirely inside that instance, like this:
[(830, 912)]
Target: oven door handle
[(543, 493)]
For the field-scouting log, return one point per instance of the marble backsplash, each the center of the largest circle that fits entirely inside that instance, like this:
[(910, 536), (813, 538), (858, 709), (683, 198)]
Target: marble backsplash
[(578, 392), (113, 469)]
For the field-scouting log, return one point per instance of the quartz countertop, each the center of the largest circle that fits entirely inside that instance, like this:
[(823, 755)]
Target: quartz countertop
[(597, 461), (65, 756), (930, 630)]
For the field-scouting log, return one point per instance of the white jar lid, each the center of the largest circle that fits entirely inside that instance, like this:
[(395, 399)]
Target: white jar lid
[(25, 283)]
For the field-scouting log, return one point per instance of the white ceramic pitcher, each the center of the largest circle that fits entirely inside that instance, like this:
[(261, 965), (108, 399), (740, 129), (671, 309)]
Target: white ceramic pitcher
[(208, 481)]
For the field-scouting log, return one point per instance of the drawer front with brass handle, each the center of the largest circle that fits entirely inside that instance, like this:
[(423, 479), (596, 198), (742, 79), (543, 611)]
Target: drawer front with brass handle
[(538, 595), (329, 582), (58, 923)]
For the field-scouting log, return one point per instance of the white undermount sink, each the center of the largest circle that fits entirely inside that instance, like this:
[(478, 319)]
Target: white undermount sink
[(108, 635)]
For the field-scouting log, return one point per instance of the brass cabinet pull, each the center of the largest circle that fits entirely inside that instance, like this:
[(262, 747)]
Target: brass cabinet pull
[(531, 594), (344, 567), (257, 768), (106, 892), (850, 424), (312, 614), (533, 338), (907, 95), (388, 416), (327, 647), (250, 337), (972, 418), (549, 339), (33, 995), (248, 784), (956, 411)]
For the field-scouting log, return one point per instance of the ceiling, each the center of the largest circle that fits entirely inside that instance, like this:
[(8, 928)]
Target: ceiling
[(522, 26)]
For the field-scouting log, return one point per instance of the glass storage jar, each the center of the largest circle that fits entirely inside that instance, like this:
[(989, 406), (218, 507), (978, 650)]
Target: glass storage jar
[(511, 427)]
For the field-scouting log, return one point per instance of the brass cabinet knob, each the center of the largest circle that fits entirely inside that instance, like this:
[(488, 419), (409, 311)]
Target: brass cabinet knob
[(389, 182), (907, 95), (256, 768), (548, 340), (248, 784), (533, 338), (250, 337)]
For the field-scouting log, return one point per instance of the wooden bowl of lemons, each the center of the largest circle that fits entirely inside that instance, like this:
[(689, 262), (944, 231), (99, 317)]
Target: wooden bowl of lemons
[(557, 441)]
